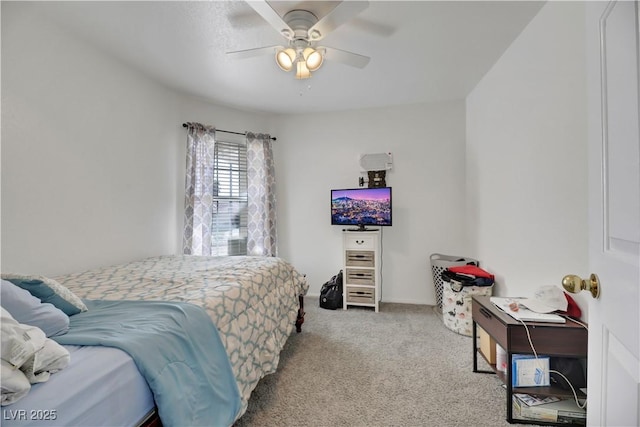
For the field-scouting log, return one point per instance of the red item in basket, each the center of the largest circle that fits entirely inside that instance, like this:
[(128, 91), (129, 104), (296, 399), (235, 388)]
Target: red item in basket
[(471, 270)]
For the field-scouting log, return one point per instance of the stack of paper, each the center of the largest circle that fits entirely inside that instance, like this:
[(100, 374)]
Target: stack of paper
[(533, 400)]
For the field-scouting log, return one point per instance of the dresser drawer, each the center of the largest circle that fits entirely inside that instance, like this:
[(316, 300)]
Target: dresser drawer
[(359, 276), (360, 242), (362, 295), (490, 322), (360, 258)]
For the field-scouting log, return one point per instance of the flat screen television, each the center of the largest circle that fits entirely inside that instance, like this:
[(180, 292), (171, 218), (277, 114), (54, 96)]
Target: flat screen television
[(361, 207)]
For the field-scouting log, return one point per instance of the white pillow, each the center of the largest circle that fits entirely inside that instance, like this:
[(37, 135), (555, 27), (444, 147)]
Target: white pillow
[(29, 310)]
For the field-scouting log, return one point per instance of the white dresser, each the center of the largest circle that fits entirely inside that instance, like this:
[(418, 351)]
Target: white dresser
[(362, 268)]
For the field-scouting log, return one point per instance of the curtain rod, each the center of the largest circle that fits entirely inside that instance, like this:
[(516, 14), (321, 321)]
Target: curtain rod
[(273, 138)]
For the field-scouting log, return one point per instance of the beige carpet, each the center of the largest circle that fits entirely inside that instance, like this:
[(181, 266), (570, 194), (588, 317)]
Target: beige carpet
[(398, 367)]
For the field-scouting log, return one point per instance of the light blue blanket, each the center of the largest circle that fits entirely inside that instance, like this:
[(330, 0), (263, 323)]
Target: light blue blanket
[(176, 348)]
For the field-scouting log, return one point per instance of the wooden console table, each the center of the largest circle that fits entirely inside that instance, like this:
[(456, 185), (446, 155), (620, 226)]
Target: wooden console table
[(550, 339)]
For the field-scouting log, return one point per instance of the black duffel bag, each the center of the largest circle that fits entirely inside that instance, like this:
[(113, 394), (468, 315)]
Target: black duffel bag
[(331, 293)]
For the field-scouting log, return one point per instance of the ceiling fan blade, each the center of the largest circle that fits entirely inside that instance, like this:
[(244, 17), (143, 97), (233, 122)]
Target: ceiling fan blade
[(343, 12), (271, 16), (252, 53), (348, 58)]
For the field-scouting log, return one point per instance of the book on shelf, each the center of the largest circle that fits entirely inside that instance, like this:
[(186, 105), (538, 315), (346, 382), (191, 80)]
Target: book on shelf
[(529, 371), (535, 400), (563, 411)]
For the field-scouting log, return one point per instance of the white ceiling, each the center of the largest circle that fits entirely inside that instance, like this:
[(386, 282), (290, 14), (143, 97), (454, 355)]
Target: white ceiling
[(421, 51)]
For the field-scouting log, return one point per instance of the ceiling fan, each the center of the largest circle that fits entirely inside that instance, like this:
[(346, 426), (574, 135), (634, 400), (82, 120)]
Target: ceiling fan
[(303, 30)]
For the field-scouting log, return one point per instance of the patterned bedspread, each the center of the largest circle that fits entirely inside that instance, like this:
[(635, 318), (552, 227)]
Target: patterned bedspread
[(253, 301)]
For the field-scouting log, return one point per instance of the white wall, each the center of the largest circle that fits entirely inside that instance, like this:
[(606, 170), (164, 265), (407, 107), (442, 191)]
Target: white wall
[(93, 153), (87, 173), (318, 152), (527, 156)]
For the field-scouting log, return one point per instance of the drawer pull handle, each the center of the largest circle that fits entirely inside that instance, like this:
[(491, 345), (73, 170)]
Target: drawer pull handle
[(486, 313), (359, 242)]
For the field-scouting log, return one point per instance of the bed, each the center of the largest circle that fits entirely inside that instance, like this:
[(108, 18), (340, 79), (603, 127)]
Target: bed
[(253, 303)]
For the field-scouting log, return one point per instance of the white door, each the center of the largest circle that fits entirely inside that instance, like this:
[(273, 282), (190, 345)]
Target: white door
[(614, 213)]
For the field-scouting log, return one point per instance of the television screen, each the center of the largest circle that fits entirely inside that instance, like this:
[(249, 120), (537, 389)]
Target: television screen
[(361, 207)]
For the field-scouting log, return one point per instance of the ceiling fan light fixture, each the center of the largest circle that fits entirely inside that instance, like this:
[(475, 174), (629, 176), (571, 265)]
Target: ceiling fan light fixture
[(313, 58), (302, 72), (285, 58), (302, 29)]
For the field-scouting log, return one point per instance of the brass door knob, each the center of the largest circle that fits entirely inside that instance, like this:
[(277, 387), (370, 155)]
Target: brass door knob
[(575, 284)]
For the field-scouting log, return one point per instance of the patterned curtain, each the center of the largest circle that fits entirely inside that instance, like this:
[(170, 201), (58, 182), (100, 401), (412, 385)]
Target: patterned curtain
[(199, 190), (261, 223)]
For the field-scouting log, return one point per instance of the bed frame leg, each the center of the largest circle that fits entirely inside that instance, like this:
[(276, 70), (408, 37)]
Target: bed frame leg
[(300, 319)]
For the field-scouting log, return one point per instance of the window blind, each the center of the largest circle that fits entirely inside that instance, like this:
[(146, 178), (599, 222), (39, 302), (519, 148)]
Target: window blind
[(229, 228)]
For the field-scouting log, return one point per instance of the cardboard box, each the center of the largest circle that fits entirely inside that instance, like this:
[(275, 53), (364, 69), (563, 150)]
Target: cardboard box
[(529, 371), (487, 346)]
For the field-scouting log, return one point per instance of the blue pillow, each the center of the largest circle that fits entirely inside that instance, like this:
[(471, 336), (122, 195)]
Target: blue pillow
[(48, 290), (29, 310)]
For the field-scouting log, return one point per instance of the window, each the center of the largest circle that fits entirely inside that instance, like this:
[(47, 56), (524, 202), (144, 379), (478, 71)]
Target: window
[(229, 228)]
